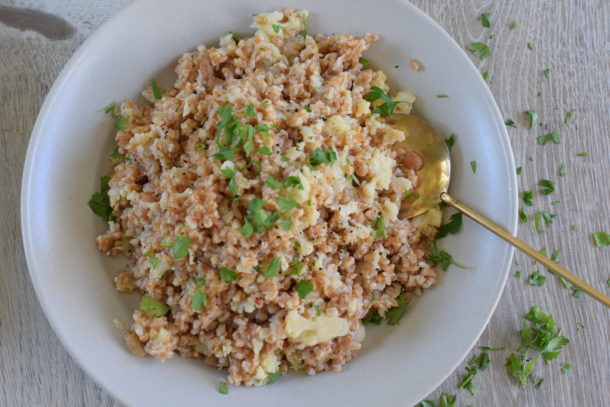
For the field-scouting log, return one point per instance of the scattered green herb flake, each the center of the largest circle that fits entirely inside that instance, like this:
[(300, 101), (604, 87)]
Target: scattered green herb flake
[(372, 317), (475, 365), (546, 72), (565, 367), (442, 258), (538, 223), (180, 247), (287, 223), (569, 117), (199, 300), (530, 46), (285, 204), (479, 48), (227, 275), (100, 202), (111, 108), (305, 25), (284, 159), (250, 112), (608, 282), (583, 154), (576, 292), (156, 91), (364, 62), (527, 198), (451, 227), (379, 226), (510, 123), (272, 377), (442, 96), (518, 274), (488, 349), (273, 268), (388, 106), (273, 183), (450, 141), (523, 215), (562, 170), (303, 287), (485, 76), (120, 123), (601, 239), (320, 156), (224, 153), (154, 262), (513, 25), (548, 186), (536, 279), (519, 169), (297, 268), (533, 117), (355, 179), (246, 230), (264, 150), (223, 388), (555, 137), (200, 147), (485, 20), (473, 166), (293, 181), (394, 314), (152, 307), (276, 28)]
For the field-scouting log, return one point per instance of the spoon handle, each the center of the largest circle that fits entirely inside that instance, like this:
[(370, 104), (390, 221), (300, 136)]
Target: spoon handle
[(533, 253)]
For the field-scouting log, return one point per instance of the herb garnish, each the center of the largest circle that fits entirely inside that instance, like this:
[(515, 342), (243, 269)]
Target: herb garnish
[(303, 287), (320, 156), (152, 307), (394, 314), (364, 62), (522, 215), (179, 246), (474, 366), (273, 268), (583, 154), (510, 122), (473, 165), (156, 91), (120, 123), (264, 150), (566, 367), (548, 186), (250, 112), (480, 48), (272, 377), (446, 400), (285, 204), (513, 25), (100, 202), (562, 170), (227, 275), (276, 28), (451, 227), (485, 76), (273, 183), (530, 46), (379, 226), (546, 72), (518, 170), (372, 317), (442, 96), (442, 258), (555, 137), (527, 198), (199, 299), (223, 388), (569, 117), (450, 141), (485, 20), (533, 117), (537, 279), (388, 106), (601, 239), (230, 173)]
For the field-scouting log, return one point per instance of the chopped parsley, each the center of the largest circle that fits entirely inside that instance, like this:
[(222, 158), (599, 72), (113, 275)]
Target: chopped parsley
[(451, 227), (297, 268), (223, 388), (276, 28), (533, 117), (378, 225), (388, 106), (513, 25), (120, 123), (100, 202), (565, 367), (442, 258), (555, 137), (198, 300), (539, 338), (303, 287), (264, 150), (485, 76), (474, 366), (450, 141), (548, 186), (307, 108), (442, 96), (583, 154), (473, 166), (156, 91), (227, 275), (152, 307), (224, 153), (485, 20), (364, 62), (273, 268), (287, 223), (527, 198), (479, 48), (117, 156), (562, 170), (510, 123), (273, 183), (372, 317), (546, 73), (530, 46), (247, 229), (518, 171), (286, 204), (601, 239), (320, 156), (536, 279), (569, 117), (272, 377), (394, 314), (179, 247), (111, 108), (293, 181), (446, 400), (518, 274), (250, 112), (230, 173), (523, 215)]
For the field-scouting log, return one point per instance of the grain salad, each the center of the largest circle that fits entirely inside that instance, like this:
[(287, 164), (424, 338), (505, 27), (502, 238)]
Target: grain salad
[(258, 203)]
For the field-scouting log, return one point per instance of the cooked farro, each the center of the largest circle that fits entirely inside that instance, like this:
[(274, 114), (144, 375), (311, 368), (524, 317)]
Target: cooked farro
[(258, 200)]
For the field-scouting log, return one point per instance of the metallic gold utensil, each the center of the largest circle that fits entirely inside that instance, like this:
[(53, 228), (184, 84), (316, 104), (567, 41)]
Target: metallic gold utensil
[(435, 174)]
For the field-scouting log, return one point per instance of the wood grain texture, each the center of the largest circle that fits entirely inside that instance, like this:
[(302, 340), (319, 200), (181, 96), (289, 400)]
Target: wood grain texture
[(570, 37)]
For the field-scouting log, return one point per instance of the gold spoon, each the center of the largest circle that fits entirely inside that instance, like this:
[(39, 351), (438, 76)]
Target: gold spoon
[(426, 141)]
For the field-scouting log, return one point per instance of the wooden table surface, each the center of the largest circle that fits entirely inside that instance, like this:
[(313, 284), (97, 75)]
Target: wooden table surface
[(569, 37)]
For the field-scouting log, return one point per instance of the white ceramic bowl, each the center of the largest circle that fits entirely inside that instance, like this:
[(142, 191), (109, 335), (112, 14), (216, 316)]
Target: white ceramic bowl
[(69, 151)]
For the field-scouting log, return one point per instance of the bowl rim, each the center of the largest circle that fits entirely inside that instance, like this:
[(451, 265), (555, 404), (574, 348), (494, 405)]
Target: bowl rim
[(83, 51)]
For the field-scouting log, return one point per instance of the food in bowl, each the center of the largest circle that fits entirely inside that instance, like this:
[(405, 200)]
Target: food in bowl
[(258, 201)]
